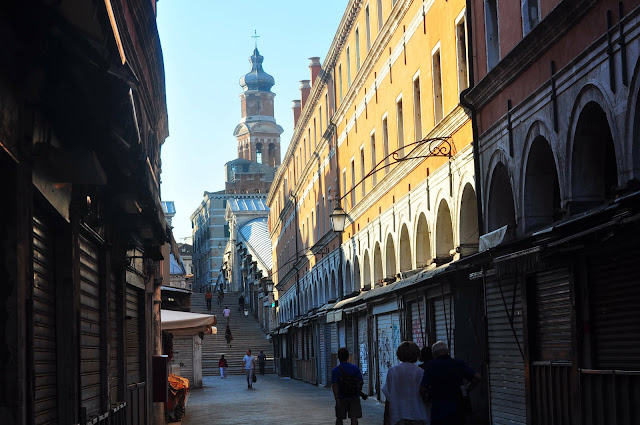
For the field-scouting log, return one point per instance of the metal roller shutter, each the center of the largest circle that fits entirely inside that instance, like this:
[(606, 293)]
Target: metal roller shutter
[(349, 331), (445, 322), (183, 355), (506, 366), (90, 327), (418, 324), (45, 404), (552, 323), (322, 343), (363, 346), (614, 297), (388, 326), (114, 339), (133, 322)]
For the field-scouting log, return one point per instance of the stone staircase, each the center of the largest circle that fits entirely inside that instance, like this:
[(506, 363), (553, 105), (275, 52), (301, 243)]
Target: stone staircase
[(246, 334)]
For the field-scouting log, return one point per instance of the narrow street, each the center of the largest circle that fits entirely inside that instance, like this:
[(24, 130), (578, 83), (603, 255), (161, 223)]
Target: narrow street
[(273, 400)]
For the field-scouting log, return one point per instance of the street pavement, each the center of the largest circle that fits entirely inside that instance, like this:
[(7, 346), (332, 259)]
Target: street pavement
[(273, 400)]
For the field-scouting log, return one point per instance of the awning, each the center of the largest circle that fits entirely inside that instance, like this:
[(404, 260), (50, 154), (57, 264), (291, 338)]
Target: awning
[(174, 289), (181, 323)]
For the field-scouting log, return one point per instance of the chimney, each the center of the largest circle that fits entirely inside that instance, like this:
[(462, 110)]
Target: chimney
[(296, 111), (305, 89), (315, 67)]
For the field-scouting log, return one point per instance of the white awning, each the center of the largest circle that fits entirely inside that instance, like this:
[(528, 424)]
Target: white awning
[(182, 323)]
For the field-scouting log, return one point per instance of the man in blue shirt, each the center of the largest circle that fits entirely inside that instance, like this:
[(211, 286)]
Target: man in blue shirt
[(444, 379), (346, 383)]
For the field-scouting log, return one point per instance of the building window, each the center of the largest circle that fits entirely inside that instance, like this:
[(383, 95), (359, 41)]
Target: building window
[(353, 182), (530, 15), (385, 144), (367, 24), (344, 181), (357, 49), (304, 144), (326, 107), (400, 124), (417, 110), (461, 47), (348, 67), (379, 10), (259, 153), (315, 133), (320, 118), (362, 172), (438, 109), (340, 80), (374, 177), (491, 33)]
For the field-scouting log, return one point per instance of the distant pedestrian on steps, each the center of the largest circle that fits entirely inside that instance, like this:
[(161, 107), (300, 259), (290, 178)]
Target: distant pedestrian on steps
[(248, 366), (208, 296), (262, 361), (227, 314), (228, 336), (222, 364), (220, 296), (241, 303)]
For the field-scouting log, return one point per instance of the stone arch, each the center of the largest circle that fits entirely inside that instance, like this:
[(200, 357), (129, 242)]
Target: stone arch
[(357, 280), (366, 282), (377, 265), (444, 231), (404, 246), (348, 285), (468, 223), (333, 289), (259, 153), (594, 167), (541, 192), (500, 207), (271, 155), (327, 291), (423, 242), (390, 257)]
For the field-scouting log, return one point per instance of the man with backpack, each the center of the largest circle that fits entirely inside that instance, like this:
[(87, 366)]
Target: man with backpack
[(346, 383)]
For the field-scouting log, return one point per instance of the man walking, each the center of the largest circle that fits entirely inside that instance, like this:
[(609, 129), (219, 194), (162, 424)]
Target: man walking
[(248, 362), (226, 313), (262, 361), (346, 383), (208, 296), (444, 381), (220, 296)]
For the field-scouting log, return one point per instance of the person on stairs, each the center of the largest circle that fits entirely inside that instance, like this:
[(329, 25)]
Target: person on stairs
[(222, 364), (262, 361), (227, 314), (228, 336), (208, 296), (241, 303), (248, 366), (220, 296)]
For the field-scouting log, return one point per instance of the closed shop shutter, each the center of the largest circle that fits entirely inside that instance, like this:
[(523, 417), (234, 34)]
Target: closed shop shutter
[(552, 317), (342, 333), (183, 355), (328, 336), (90, 326), (349, 331), (506, 366), (363, 347), (444, 322), (614, 296), (334, 338), (114, 339), (388, 326), (133, 324), (322, 344), (44, 323), (418, 324)]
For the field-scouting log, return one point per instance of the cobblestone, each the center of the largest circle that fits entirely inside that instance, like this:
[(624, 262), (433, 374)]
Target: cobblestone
[(273, 400)]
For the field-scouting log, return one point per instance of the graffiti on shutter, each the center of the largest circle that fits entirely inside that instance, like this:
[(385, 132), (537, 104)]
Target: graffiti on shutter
[(444, 321), (363, 348), (132, 324), (90, 327), (418, 324), (45, 403), (614, 296), (506, 366), (388, 341)]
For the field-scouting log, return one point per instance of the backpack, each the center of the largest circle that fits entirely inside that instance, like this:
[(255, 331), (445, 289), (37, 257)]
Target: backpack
[(349, 384)]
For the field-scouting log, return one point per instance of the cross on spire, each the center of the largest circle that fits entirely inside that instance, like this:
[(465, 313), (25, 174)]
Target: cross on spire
[(255, 36)]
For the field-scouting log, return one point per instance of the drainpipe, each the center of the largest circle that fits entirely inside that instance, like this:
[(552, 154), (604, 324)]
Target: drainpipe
[(474, 120)]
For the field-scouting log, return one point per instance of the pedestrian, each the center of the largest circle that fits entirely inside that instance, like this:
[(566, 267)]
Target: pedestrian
[(222, 364), (404, 404), (220, 296), (227, 314), (248, 365), (262, 361), (425, 356), (208, 297), (241, 303), (444, 380), (346, 383), (228, 336)]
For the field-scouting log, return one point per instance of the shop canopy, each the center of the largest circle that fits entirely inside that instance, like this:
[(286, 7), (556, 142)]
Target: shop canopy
[(182, 323)]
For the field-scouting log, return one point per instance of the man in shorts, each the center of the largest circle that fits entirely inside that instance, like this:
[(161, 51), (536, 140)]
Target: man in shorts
[(346, 383)]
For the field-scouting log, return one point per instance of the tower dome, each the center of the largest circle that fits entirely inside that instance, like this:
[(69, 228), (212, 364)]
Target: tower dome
[(257, 79)]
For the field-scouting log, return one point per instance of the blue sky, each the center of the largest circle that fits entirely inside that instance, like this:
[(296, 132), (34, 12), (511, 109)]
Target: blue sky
[(206, 46)]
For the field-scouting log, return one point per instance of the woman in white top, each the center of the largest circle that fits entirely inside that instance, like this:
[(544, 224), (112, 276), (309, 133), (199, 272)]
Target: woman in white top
[(404, 405)]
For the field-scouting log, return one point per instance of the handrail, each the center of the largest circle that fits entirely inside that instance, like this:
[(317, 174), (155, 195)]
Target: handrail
[(610, 372)]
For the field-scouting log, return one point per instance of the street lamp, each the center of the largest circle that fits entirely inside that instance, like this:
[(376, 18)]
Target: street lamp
[(338, 217)]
